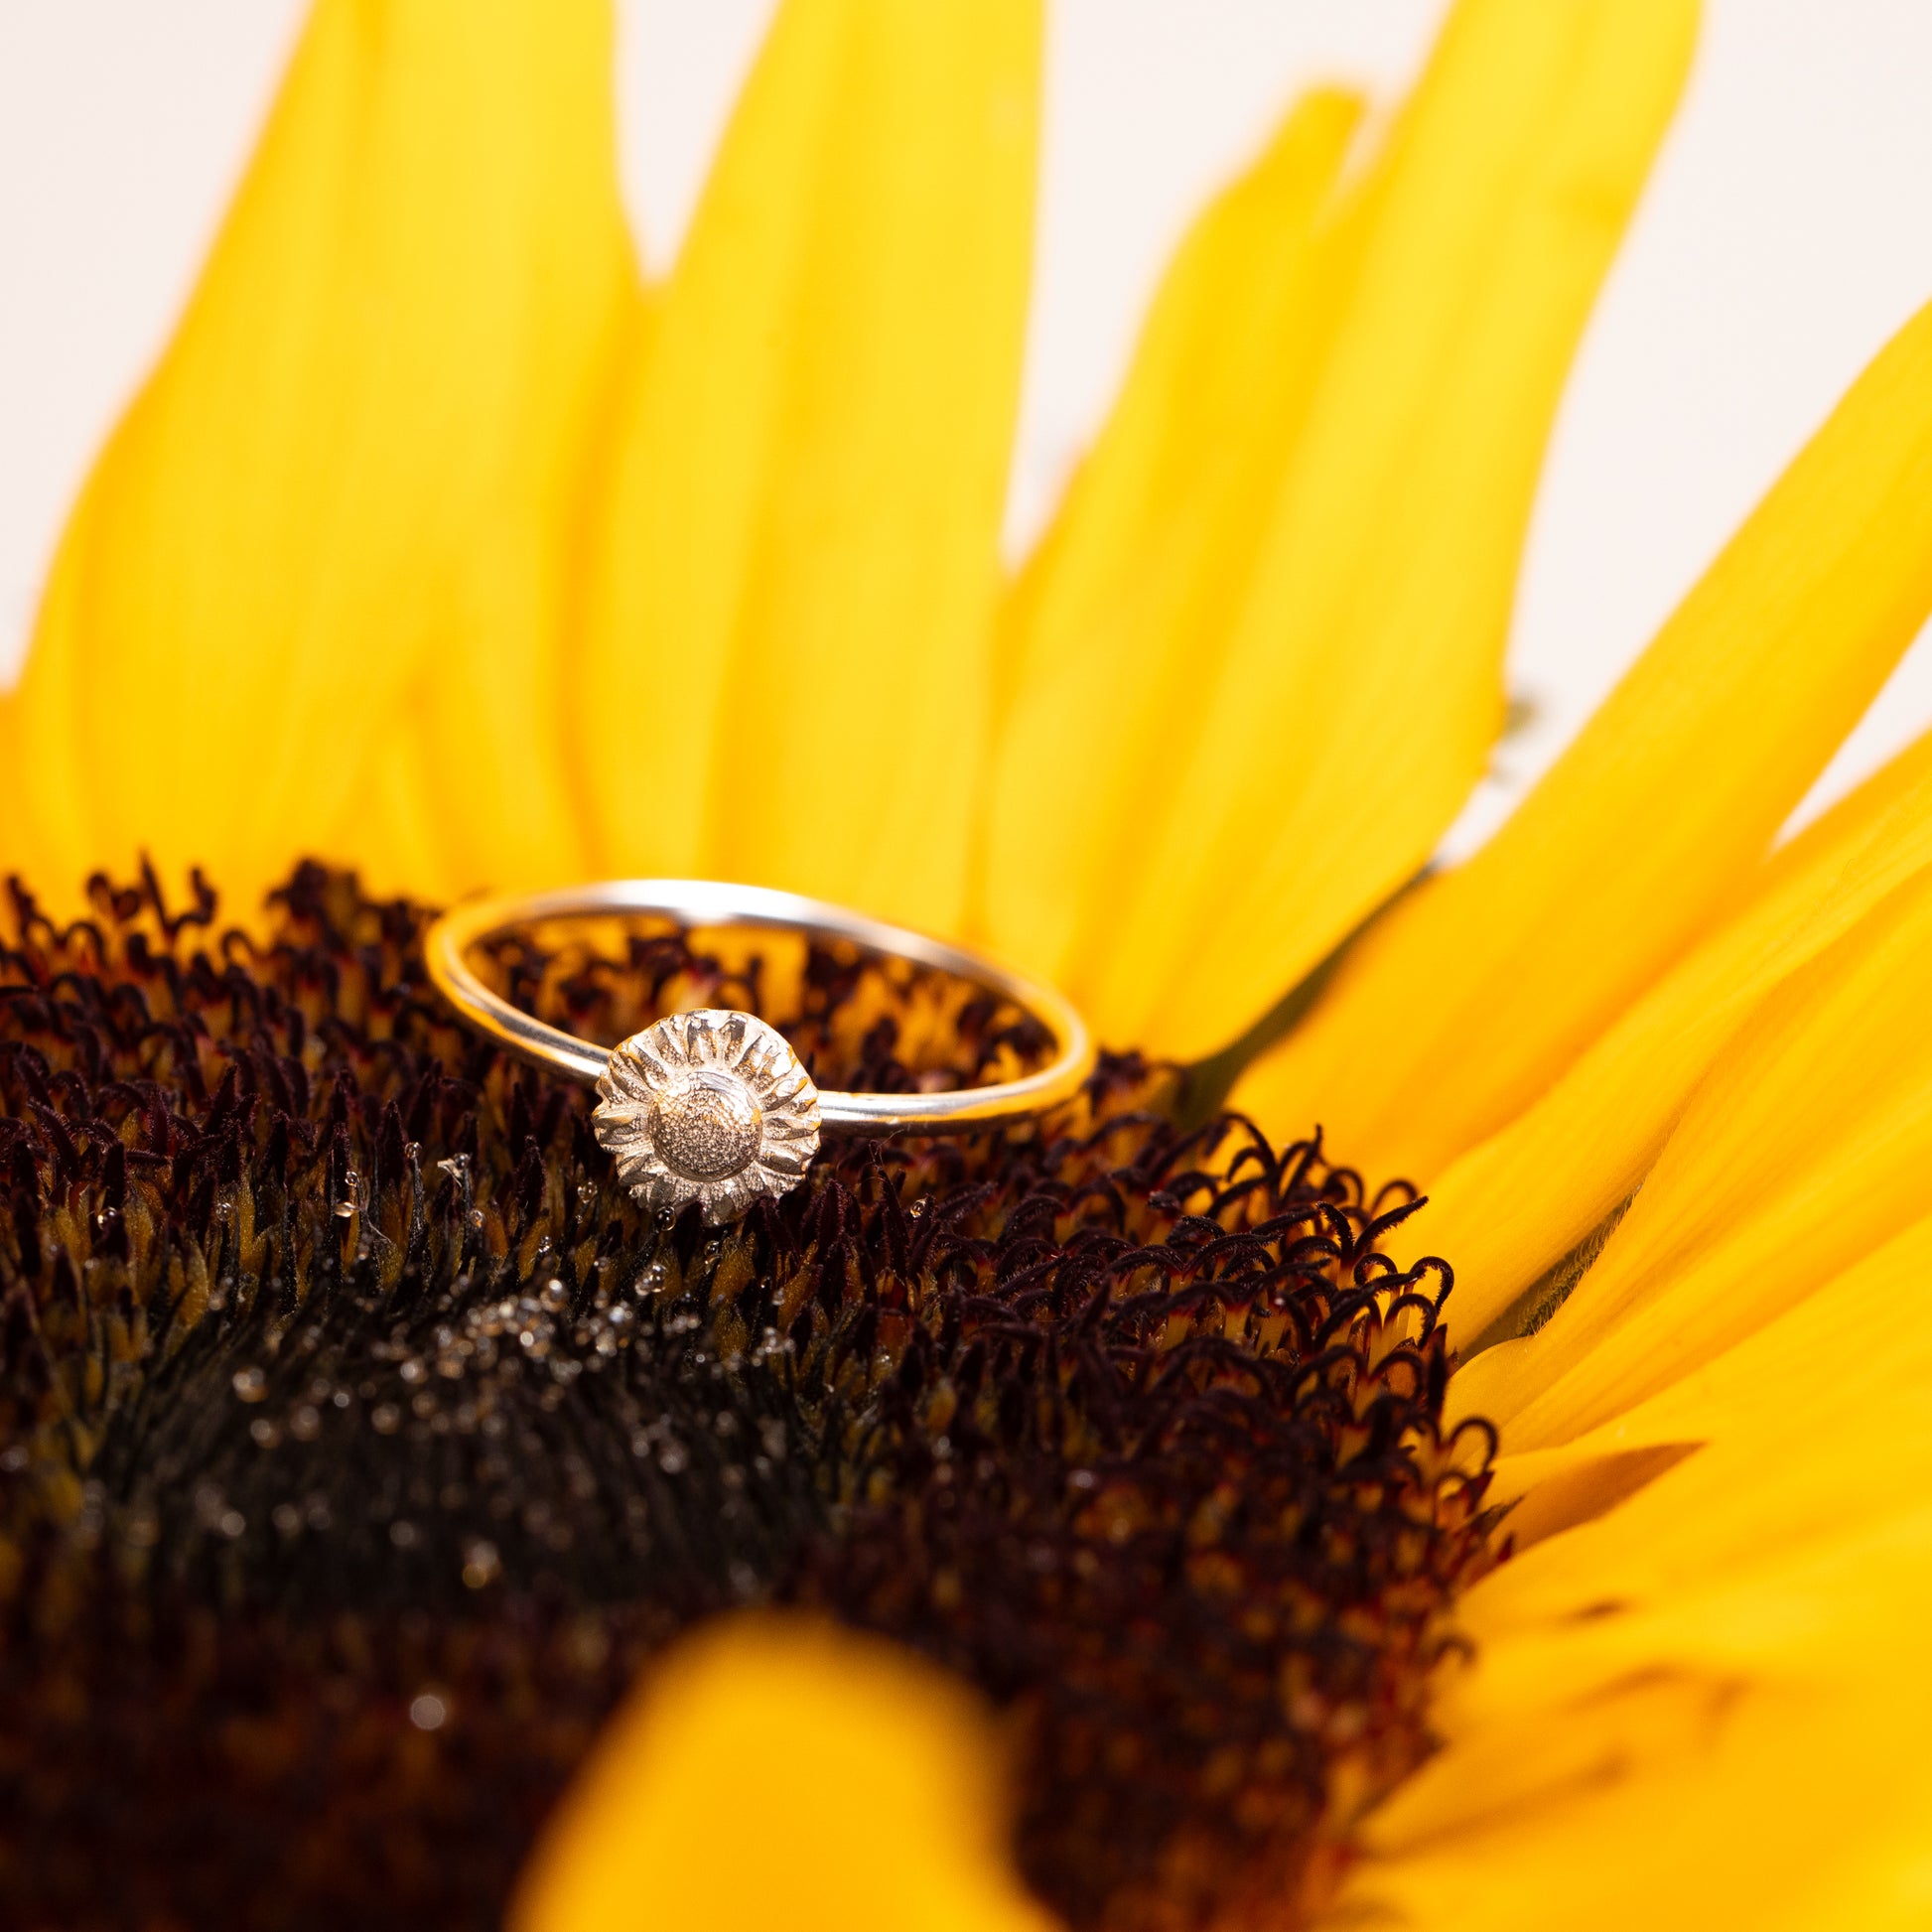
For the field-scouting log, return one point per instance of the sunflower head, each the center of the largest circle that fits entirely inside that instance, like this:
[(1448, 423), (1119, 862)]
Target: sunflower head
[(365, 1435)]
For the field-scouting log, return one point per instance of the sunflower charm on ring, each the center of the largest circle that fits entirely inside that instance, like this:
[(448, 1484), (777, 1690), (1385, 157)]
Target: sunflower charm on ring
[(711, 1107)]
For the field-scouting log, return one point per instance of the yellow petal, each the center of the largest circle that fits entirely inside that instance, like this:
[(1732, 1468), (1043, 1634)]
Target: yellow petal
[(1471, 995), (311, 597), (1514, 1205), (784, 1774), (1122, 615), (787, 645), (1675, 1782), (1346, 682), (1692, 1709), (1787, 1410), (1806, 1147)]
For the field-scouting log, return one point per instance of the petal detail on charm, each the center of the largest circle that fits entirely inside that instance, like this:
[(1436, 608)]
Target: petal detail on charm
[(711, 1106)]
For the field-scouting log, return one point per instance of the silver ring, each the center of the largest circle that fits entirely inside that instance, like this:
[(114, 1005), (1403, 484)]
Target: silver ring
[(713, 1105)]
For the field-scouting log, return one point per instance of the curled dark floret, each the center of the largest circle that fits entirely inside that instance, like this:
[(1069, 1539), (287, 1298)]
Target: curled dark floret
[(360, 1439)]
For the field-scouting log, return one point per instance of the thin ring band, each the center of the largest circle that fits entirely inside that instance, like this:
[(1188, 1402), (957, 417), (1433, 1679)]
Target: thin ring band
[(706, 902), (713, 1106)]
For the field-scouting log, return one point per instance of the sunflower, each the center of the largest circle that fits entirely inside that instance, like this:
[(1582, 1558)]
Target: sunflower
[(1294, 1583)]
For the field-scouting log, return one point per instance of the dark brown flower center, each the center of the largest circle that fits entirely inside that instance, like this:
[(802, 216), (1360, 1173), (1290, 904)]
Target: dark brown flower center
[(360, 1439)]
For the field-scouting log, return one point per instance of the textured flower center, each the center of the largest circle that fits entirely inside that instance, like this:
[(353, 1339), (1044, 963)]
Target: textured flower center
[(348, 1393), (707, 1126)]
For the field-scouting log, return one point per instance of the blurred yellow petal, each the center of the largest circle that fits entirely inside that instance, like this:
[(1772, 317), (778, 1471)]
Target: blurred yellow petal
[(318, 571), (1675, 1707), (1768, 1391), (1509, 1209), (786, 668), (1477, 992), (1695, 1776), (1806, 1147), (1344, 689), (1109, 632), (785, 1774)]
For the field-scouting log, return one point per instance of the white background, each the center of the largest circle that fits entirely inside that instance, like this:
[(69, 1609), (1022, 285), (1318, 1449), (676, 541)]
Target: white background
[(1787, 231)]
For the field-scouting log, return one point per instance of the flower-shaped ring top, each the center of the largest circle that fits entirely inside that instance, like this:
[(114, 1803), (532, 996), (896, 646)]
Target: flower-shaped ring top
[(714, 1106), (711, 1107)]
